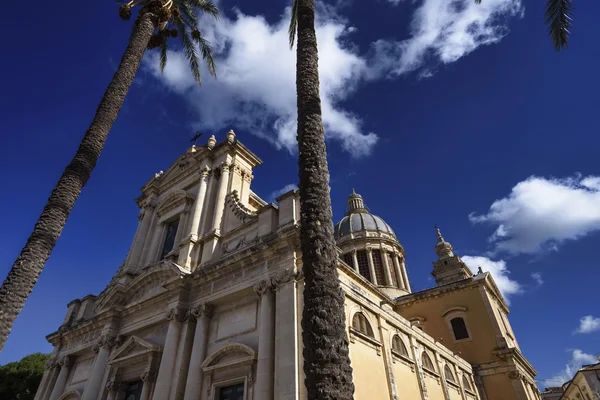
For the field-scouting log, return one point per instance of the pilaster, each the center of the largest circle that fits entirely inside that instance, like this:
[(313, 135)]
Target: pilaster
[(102, 348), (61, 382), (264, 367), (193, 388), (164, 381)]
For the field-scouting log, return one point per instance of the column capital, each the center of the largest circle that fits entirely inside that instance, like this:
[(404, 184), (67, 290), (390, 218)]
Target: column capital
[(66, 361), (176, 312), (108, 341), (282, 277), (202, 310), (204, 172), (52, 363), (263, 286), (226, 166)]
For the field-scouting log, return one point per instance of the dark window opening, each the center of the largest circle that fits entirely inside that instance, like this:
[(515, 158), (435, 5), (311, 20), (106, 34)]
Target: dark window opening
[(459, 328), (169, 238), (378, 267), (449, 374), (466, 383), (348, 259), (235, 392), (392, 270), (399, 347), (363, 264), (427, 364), (133, 391)]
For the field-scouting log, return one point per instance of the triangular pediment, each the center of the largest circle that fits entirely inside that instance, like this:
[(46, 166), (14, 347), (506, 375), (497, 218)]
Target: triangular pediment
[(132, 347)]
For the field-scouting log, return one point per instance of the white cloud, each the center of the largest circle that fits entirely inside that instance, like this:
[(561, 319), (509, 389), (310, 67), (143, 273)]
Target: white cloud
[(255, 88), (537, 277), (499, 271), (283, 190), (588, 324), (578, 358), (444, 31), (539, 214)]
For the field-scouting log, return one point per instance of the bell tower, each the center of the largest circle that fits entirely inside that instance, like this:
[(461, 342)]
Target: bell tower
[(449, 267)]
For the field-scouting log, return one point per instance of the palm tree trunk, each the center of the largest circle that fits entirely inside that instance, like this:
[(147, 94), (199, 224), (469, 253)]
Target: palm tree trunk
[(326, 359), (27, 268)]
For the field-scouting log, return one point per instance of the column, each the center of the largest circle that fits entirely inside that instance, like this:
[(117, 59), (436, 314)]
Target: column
[(286, 334), (94, 383), (404, 275), (112, 387), (153, 252), (191, 234), (63, 375), (148, 379), (263, 388), (167, 362), (193, 386), (184, 351), (222, 192), (48, 380), (355, 260), (140, 235), (399, 274), (386, 268), (372, 267)]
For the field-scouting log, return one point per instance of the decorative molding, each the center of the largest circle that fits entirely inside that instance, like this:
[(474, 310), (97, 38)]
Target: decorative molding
[(66, 361), (51, 363), (261, 287), (148, 375), (239, 210)]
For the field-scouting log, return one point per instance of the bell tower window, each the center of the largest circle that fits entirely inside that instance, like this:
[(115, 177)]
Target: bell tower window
[(459, 328), (390, 262), (169, 242)]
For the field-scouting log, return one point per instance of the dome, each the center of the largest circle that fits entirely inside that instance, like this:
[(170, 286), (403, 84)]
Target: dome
[(359, 219)]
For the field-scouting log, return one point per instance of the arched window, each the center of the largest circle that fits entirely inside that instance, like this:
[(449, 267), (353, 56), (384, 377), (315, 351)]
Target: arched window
[(466, 383), (360, 323), (427, 364), (398, 346), (448, 374), (363, 264), (459, 328)]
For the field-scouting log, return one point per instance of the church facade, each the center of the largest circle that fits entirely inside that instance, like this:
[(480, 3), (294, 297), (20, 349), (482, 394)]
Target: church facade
[(208, 304)]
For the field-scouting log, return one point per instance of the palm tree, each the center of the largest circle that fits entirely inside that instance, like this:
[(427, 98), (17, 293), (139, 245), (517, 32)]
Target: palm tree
[(558, 19), (168, 18), (326, 359)]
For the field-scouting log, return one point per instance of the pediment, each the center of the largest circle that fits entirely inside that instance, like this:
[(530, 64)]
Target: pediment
[(152, 281), (115, 296), (71, 395), (181, 164), (230, 355), (173, 200), (132, 347)]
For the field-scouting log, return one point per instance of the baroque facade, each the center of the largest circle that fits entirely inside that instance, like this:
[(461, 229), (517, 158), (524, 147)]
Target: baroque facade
[(208, 304)]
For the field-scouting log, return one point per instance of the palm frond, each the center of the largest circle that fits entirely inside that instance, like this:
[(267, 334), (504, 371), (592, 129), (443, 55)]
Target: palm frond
[(189, 49), (293, 23), (188, 13), (206, 52), (558, 19), (163, 55), (206, 6)]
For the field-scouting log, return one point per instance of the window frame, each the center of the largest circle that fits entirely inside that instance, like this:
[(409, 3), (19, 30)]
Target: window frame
[(430, 370), (173, 221), (452, 378), (396, 338), (360, 316), (458, 312)]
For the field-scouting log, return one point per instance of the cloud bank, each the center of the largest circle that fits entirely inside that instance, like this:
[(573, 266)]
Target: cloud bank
[(255, 89), (578, 358), (541, 213), (507, 286)]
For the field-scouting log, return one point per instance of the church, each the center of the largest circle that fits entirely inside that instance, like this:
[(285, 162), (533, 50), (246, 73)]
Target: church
[(208, 303)]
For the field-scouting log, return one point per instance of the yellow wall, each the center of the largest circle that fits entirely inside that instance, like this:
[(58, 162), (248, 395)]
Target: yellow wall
[(435, 390), (499, 387), (370, 378), (454, 392), (407, 384), (477, 351)]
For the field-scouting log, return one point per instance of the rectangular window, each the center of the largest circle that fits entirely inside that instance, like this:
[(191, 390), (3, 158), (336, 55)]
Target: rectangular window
[(235, 392), (133, 391), (378, 266), (363, 264), (392, 269), (169, 238)]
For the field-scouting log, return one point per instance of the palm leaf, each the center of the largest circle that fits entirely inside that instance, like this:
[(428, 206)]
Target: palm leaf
[(189, 49), (163, 55), (206, 6), (294, 23), (558, 19), (188, 13), (206, 52)]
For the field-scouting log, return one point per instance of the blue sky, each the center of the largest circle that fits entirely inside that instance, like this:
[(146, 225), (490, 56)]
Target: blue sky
[(458, 115)]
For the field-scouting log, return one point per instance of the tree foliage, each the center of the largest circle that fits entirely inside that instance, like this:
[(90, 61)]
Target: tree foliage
[(20, 380)]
